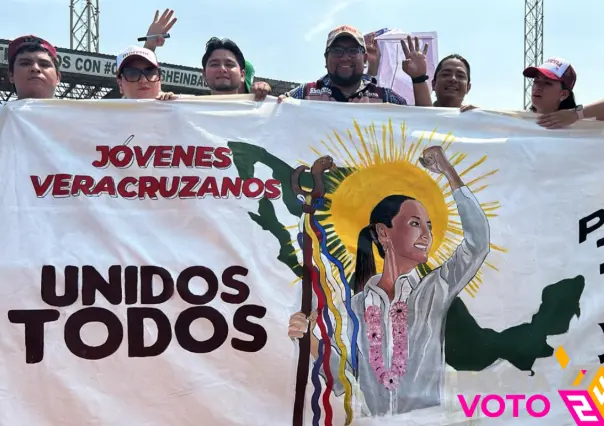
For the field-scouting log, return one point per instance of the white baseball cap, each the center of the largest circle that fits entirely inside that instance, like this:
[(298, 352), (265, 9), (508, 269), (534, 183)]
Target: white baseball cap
[(139, 52)]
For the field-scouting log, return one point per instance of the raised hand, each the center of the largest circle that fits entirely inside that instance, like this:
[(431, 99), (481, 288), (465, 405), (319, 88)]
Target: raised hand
[(415, 63), (160, 25), (435, 160)]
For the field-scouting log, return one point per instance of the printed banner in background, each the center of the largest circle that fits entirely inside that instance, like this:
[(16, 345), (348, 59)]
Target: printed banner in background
[(390, 71), (162, 261)]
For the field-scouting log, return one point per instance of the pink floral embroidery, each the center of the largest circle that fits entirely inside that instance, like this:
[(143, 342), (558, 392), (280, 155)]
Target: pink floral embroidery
[(389, 378)]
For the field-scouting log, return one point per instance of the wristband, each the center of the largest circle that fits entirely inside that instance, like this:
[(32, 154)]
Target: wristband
[(420, 79)]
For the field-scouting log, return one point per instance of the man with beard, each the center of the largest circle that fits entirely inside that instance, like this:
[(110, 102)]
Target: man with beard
[(345, 58), (224, 69), (33, 67)]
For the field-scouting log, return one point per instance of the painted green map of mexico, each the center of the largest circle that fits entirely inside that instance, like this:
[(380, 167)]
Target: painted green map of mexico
[(388, 244)]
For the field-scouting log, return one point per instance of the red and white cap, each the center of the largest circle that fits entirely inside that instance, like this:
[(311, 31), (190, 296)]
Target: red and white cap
[(557, 69), (18, 43), (139, 52)]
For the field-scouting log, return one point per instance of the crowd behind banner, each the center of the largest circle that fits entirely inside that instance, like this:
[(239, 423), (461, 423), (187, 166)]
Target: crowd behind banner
[(352, 61)]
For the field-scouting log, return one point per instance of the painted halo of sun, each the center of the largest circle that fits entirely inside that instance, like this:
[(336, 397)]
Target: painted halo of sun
[(357, 195), (379, 165)]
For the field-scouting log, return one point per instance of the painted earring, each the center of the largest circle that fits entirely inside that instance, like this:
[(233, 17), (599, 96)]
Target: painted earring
[(386, 245)]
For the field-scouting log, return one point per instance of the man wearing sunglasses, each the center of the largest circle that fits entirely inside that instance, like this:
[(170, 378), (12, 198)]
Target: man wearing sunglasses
[(345, 58), (139, 76)]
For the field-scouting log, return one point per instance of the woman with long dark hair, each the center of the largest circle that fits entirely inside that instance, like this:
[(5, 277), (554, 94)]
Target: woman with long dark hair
[(400, 345)]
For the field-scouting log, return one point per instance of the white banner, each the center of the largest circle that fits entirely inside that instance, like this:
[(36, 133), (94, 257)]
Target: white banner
[(161, 262)]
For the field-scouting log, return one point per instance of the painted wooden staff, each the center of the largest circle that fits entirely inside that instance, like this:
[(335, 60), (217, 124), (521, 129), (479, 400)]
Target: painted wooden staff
[(320, 166)]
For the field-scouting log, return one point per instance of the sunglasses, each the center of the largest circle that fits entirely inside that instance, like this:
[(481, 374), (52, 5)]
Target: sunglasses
[(133, 75), (339, 52)]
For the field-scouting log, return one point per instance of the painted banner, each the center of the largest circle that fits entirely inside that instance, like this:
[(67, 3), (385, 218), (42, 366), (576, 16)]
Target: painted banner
[(226, 262)]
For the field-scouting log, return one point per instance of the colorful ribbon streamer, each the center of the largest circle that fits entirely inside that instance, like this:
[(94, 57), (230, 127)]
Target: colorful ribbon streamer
[(338, 319), (347, 295)]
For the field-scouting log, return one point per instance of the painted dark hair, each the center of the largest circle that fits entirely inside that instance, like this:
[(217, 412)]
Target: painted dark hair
[(453, 56), (31, 44), (568, 103), (216, 43), (384, 212)]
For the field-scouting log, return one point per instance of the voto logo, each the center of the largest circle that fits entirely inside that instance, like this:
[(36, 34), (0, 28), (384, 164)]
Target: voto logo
[(583, 393), (535, 405), (490, 393)]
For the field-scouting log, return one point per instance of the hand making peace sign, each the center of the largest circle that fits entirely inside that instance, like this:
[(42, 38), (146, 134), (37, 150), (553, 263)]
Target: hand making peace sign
[(415, 63)]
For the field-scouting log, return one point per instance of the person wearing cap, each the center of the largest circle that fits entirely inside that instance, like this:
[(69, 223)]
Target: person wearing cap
[(345, 58), (139, 75), (568, 112), (224, 70), (553, 84), (33, 67)]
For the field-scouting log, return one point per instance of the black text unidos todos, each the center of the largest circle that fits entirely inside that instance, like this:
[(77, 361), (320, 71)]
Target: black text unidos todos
[(131, 285)]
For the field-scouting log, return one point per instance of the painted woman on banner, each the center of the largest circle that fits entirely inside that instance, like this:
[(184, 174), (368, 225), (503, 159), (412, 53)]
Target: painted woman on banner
[(400, 346)]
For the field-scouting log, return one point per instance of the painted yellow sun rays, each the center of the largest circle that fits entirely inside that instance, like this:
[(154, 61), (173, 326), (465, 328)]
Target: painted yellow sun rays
[(382, 164)]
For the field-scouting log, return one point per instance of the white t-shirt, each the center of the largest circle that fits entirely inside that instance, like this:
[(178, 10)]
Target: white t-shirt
[(390, 72)]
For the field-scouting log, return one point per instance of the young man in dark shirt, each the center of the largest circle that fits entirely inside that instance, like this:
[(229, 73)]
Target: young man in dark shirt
[(451, 82)]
